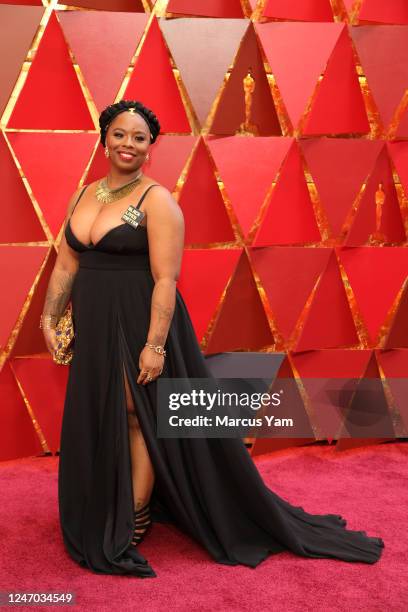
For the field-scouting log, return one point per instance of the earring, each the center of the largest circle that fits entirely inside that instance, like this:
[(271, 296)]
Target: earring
[(147, 157), (106, 152)]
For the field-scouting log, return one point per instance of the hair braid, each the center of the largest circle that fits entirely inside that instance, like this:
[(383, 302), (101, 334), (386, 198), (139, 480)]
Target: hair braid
[(110, 112)]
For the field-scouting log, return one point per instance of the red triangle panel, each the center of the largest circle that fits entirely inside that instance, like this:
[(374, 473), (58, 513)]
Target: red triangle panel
[(53, 74)]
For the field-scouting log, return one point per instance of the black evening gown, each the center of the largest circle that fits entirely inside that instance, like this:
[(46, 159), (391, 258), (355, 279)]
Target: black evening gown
[(209, 488)]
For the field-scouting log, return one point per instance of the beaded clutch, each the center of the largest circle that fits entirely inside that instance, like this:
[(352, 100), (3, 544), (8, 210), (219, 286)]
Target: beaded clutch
[(65, 337)]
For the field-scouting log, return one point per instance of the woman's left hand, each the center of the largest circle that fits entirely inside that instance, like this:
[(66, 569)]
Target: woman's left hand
[(150, 365)]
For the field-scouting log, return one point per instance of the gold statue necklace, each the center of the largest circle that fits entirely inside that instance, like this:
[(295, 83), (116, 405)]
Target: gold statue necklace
[(104, 194)]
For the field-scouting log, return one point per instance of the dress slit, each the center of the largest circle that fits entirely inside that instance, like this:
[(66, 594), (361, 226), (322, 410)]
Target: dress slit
[(135, 413), (119, 525), (141, 404)]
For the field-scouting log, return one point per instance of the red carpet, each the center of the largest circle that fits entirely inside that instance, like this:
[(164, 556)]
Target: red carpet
[(369, 487)]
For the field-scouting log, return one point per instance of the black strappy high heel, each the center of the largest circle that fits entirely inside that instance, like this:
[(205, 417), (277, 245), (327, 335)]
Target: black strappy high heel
[(142, 522)]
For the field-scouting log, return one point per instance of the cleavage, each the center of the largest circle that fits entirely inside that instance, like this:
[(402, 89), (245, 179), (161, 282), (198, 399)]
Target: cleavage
[(117, 224)]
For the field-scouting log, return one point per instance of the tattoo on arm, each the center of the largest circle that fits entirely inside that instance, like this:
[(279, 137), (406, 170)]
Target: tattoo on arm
[(162, 316), (58, 292)]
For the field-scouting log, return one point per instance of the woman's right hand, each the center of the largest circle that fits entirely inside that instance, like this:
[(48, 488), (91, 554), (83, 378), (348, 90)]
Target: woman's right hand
[(50, 339)]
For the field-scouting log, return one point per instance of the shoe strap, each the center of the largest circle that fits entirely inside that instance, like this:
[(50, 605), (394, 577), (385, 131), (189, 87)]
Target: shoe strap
[(142, 510)]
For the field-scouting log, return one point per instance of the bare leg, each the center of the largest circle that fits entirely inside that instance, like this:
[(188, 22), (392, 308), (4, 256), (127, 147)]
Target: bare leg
[(142, 468)]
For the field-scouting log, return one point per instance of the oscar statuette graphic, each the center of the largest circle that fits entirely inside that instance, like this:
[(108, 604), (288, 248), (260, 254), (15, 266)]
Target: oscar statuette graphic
[(247, 128), (378, 237)]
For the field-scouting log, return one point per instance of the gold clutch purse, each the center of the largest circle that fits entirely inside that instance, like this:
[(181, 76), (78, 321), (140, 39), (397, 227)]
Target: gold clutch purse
[(65, 338)]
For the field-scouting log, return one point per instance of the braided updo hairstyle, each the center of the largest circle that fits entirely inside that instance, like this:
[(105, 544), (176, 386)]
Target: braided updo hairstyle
[(110, 112)]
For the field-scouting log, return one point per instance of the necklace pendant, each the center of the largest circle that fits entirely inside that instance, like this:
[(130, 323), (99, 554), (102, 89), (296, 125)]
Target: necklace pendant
[(106, 195), (102, 195)]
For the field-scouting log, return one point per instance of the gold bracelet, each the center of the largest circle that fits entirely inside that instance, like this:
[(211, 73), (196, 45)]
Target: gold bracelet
[(158, 348)]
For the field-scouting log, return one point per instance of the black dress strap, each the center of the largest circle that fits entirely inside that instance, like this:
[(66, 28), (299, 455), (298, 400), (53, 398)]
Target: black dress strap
[(138, 204), (144, 195), (79, 197)]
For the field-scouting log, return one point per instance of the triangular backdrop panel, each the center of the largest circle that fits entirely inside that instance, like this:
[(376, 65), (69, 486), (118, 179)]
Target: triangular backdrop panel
[(397, 336), (398, 152), (18, 437), (338, 107), (365, 219), (339, 167), (28, 2), (62, 160), (248, 165), (30, 339), (206, 8), (18, 25), (52, 72), (402, 129), (368, 418), (289, 217), (205, 216), (153, 83), (44, 385), (331, 363), (375, 287), (242, 322), (110, 5), (93, 39), (327, 396), (383, 54), (17, 281), (395, 12), (395, 367), (297, 54), (288, 275), (203, 278), (329, 323), (189, 41), (230, 111), (299, 10), (15, 204)]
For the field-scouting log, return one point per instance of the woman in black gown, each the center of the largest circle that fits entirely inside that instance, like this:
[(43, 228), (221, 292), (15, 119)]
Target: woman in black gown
[(116, 477)]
